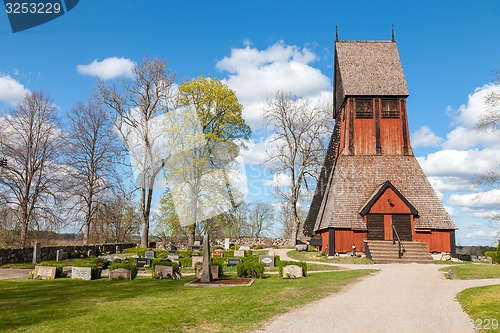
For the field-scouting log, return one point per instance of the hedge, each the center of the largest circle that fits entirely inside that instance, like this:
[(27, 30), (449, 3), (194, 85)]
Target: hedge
[(250, 269), (186, 262), (124, 264), (493, 256), (297, 263)]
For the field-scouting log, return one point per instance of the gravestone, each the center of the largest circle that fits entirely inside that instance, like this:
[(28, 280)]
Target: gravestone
[(301, 247), (239, 253), (91, 253), (37, 253), (214, 270), (172, 255), (268, 243), (173, 248), (490, 260), (227, 244), (217, 254), (61, 255), (268, 261), (233, 261), (195, 259), (292, 271), (244, 248), (45, 272), (120, 274), (141, 262), (149, 254), (164, 272), (81, 273)]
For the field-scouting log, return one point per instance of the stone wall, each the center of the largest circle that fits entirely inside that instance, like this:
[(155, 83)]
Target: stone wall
[(49, 252)]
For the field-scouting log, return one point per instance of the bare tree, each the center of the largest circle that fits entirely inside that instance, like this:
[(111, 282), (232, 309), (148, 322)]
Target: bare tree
[(92, 155), (135, 106), (32, 143), (297, 149), (260, 218), (491, 120)]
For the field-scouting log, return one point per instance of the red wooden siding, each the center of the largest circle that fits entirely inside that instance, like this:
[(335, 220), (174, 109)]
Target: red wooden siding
[(437, 240), (383, 204), (344, 239), (391, 136)]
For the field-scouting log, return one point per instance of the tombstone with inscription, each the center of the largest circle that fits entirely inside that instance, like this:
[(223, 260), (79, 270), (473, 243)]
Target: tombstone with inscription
[(233, 261), (45, 272), (292, 271), (214, 270), (217, 254), (164, 272), (149, 254), (81, 273), (172, 255), (37, 253), (268, 261), (142, 262), (120, 274), (239, 253)]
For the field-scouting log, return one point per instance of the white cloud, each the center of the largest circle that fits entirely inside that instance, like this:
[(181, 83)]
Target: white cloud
[(279, 180), (464, 135), (109, 68), (481, 234), (256, 153), (11, 91), (256, 75), (460, 163), (488, 199), (424, 137)]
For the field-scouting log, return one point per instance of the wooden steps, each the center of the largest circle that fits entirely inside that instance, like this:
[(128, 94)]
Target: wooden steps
[(386, 252)]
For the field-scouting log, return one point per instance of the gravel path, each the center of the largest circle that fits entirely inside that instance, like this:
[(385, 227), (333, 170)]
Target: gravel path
[(400, 298)]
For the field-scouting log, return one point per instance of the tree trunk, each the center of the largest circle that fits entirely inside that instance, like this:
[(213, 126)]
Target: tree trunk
[(206, 275), (145, 207), (191, 234)]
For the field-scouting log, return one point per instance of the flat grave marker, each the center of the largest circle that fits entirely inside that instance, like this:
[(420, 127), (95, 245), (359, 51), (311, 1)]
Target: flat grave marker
[(120, 274), (45, 272), (268, 261), (81, 273), (292, 271)]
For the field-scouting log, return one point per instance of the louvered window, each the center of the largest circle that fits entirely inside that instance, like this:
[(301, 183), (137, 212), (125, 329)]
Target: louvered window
[(390, 108), (364, 108)]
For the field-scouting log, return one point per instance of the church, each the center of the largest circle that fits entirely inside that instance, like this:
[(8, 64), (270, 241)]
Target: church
[(372, 193)]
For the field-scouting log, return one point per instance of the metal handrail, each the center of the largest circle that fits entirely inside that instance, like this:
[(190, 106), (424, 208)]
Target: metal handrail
[(401, 247)]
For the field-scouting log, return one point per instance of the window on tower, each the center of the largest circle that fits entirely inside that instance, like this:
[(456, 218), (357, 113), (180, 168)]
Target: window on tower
[(364, 108), (390, 108)]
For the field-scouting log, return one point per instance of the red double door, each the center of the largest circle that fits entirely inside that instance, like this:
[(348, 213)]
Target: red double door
[(380, 227)]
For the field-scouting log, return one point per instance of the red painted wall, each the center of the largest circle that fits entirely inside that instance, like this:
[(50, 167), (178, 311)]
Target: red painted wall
[(437, 240)]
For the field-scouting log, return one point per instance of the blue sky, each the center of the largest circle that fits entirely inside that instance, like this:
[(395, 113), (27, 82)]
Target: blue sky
[(449, 51)]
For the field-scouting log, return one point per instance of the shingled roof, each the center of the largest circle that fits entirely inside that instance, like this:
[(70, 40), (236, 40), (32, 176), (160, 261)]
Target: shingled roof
[(369, 68), (355, 178)]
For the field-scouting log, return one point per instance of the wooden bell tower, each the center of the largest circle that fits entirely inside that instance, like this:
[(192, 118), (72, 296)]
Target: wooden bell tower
[(371, 185)]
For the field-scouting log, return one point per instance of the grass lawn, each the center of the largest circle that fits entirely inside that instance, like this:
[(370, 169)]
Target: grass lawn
[(146, 305), (316, 256), (483, 305), (474, 271)]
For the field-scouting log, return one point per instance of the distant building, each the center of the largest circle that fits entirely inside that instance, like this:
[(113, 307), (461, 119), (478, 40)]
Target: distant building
[(371, 185)]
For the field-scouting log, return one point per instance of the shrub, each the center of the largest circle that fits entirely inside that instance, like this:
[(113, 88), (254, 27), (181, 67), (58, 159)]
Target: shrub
[(186, 262), (297, 263), (493, 256), (277, 260), (217, 247), (498, 252), (100, 262), (228, 253), (124, 264), (78, 254), (250, 269), (257, 247), (219, 261), (185, 253), (251, 259), (95, 270), (57, 266), (165, 262)]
